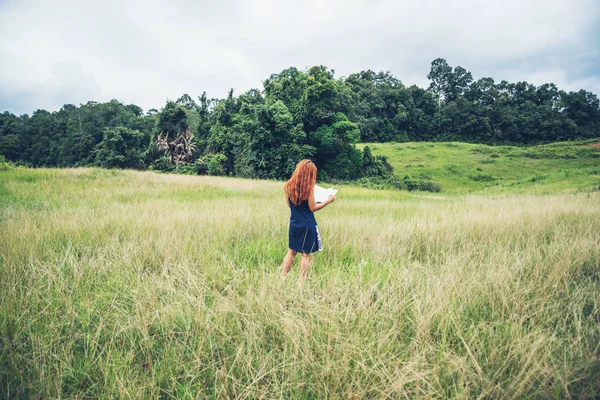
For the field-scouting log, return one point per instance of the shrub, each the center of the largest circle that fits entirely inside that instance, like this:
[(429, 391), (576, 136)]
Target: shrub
[(418, 183), (189, 169), (538, 177), (396, 183), (163, 164), (5, 165), (215, 164), (375, 165), (483, 177), (559, 151)]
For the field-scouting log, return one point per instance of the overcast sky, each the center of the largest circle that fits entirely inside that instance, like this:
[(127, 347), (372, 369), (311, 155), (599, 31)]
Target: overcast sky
[(145, 52)]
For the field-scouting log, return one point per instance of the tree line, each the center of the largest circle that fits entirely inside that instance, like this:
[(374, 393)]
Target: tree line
[(300, 114)]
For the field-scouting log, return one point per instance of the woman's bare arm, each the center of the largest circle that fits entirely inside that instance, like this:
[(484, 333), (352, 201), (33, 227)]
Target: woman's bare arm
[(314, 207)]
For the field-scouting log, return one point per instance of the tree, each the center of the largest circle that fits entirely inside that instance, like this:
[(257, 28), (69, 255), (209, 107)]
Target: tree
[(186, 102), (262, 142), (179, 149), (440, 77), (173, 120), (336, 156), (301, 114), (448, 83), (583, 108), (203, 114), (11, 132), (460, 79), (289, 87), (323, 97), (174, 135), (379, 105), (120, 148)]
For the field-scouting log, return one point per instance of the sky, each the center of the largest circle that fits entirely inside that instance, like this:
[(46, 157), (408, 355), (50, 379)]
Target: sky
[(147, 52)]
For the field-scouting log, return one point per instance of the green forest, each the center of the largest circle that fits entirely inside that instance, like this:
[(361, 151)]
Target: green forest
[(300, 114)]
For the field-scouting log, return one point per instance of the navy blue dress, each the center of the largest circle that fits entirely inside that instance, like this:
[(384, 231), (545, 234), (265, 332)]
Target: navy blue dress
[(304, 232)]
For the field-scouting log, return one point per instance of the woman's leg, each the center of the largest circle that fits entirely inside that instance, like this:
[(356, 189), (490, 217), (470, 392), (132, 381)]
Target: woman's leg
[(287, 262), (305, 264)]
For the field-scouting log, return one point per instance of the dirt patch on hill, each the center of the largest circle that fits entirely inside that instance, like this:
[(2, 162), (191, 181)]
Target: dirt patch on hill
[(593, 145)]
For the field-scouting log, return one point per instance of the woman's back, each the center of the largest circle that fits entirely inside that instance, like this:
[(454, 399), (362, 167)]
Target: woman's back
[(301, 213)]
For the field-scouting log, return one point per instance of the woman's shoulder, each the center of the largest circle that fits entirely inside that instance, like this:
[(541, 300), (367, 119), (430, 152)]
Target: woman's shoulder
[(301, 204)]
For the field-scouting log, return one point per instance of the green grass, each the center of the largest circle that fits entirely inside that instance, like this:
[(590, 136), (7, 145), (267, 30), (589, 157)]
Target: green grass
[(464, 167), (125, 284)]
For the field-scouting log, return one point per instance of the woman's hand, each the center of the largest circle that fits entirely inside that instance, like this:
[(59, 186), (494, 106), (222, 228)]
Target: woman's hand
[(314, 207)]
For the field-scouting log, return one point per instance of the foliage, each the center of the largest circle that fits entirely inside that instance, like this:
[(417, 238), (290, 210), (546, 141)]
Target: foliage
[(5, 165), (375, 165), (69, 136), (193, 168), (457, 107), (317, 102), (304, 114), (179, 148), (267, 142), (407, 182), (215, 164), (172, 120), (336, 155), (120, 148), (174, 135), (163, 164)]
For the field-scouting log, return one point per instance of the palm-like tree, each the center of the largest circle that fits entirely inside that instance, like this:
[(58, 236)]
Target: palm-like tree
[(179, 148)]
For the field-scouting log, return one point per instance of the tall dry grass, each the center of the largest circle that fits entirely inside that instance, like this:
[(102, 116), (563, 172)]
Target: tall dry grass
[(134, 285)]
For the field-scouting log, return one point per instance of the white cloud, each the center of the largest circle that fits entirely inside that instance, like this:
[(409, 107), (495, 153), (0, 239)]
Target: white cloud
[(144, 52)]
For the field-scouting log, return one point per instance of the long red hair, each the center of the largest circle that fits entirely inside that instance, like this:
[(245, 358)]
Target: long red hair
[(302, 183)]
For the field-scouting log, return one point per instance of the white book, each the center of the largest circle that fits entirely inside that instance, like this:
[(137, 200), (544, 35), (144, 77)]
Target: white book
[(321, 194)]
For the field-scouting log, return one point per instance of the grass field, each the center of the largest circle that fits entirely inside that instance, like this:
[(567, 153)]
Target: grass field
[(125, 284), (464, 167)]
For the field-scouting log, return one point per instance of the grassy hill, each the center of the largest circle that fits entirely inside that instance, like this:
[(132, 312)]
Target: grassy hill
[(127, 284), (463, 167)]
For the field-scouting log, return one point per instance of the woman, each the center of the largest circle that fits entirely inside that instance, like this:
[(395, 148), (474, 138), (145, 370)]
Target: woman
[(304, 234)]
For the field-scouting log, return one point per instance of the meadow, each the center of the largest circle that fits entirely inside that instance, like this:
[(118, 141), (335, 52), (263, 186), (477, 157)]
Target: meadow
[(129, 284), (467, 168)]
